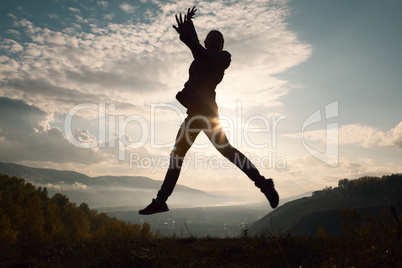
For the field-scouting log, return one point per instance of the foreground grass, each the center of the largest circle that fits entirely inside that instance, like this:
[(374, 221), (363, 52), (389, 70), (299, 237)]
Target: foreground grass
[(269, 251)]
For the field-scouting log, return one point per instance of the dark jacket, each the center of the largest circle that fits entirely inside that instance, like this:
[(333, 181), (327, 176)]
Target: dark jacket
[(205, 73)]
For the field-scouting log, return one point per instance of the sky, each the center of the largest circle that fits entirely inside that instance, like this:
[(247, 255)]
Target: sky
[(311, 96)]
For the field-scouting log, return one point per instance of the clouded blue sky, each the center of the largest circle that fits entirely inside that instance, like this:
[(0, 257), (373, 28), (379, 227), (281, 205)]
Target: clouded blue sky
[(290, 59)]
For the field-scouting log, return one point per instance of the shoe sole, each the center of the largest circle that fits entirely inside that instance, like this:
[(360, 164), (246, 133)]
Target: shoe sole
[(152, 212)]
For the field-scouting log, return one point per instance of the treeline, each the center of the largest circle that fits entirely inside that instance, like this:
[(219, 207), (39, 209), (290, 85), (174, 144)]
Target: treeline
[(28, 214), (385, 226), (387, 187)]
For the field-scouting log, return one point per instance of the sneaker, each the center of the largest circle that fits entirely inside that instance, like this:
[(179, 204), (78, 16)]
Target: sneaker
[(155, 207), (268, 189)]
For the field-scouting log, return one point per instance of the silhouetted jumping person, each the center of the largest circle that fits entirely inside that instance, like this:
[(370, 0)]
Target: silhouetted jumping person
[(198, 96)]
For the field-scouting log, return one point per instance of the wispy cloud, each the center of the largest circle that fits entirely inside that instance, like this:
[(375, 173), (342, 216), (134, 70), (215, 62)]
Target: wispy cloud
[(62, 186), (75, 10), (53, 16)]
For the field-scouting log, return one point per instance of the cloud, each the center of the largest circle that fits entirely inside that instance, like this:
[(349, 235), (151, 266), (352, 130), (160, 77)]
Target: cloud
[(127, 8), (14, 32), (103, 3), (130, 62), (358, 134), (393, 137), (61, 186), (54, 187), (83, 136), (135, 64), (11, 46), (109, 16), (27, 136), (53, 16), (19, 119), (80, 186), (75, 10)]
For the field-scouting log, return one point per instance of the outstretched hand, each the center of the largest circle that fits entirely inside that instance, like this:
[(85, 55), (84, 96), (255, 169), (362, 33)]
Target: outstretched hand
[(180, 28), (191, 13)]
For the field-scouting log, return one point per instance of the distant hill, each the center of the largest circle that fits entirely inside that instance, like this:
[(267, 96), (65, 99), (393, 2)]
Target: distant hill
[(370, 195), (106, 191)]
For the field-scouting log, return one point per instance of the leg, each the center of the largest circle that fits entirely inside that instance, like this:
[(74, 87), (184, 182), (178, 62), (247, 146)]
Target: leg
[(184, 139), (218, 138)]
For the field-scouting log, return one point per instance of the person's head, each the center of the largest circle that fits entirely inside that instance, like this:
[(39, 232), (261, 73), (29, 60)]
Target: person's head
[(214, 41)]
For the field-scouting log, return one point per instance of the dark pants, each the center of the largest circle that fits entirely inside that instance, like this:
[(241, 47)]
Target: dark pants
[(186, 136)]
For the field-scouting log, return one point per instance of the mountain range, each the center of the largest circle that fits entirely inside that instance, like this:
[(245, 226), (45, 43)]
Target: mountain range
[(196, 212), (123, 192), (107, 191), (191, 211)]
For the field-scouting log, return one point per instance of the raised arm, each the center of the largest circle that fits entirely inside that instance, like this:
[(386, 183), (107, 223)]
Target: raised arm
[(183, 26), (188, 34)]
